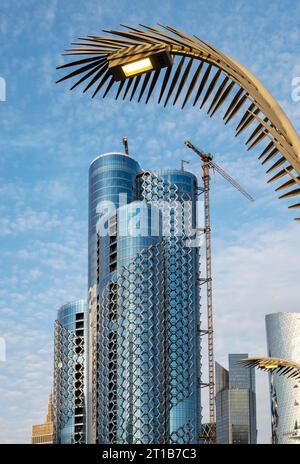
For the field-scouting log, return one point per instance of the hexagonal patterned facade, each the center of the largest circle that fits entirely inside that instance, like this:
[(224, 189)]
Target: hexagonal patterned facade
[(144, 324), (70, 368)]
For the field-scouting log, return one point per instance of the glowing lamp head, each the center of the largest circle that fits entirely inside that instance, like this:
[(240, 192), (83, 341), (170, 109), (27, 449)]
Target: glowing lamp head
[(129, 65), (137, 67)]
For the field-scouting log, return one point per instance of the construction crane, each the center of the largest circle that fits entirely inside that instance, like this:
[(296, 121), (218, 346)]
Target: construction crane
[(207, 165)]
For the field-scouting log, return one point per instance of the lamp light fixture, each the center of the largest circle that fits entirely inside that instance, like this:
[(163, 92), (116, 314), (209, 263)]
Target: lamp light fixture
[(131, 69), (134, 63)]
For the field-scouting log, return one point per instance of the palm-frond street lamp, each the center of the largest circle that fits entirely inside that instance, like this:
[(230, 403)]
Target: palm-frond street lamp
[(135, 60), (275, 365)]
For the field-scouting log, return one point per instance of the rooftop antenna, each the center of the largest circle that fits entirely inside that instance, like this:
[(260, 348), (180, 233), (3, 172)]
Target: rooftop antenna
[(125, 143), (207, 165), (182, 164)]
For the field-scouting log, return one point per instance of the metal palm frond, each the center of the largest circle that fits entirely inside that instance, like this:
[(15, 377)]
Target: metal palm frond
[(277, 365), (200, 75)]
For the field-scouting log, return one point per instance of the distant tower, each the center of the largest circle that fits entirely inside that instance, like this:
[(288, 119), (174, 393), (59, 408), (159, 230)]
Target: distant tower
[(235, 403), (70, 367), (283, 338), (43, 434)]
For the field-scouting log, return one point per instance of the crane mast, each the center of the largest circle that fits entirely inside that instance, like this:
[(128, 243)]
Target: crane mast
[(207, 164), (210, 330)]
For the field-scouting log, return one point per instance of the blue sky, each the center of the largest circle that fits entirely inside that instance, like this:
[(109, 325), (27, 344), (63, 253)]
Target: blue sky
[(48, 138)]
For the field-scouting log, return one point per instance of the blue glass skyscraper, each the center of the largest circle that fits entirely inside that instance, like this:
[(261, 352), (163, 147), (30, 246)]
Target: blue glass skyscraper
[(144, 369), (109, 175), (70, 369), (235, 403)]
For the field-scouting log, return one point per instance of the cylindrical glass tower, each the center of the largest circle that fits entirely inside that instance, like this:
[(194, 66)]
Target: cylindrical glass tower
[(176, 191), (131, 336), (70, 368), (283, 337), (144, 359), (110, 175)]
